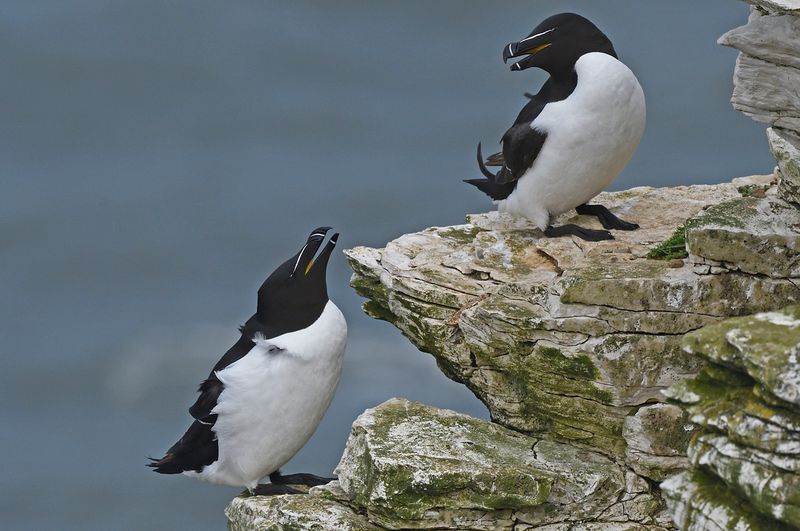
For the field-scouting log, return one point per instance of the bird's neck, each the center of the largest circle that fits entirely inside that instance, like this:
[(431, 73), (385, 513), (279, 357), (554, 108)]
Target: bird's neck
[(560, 85)]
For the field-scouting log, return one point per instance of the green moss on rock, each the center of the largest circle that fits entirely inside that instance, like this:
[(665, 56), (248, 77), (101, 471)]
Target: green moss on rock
[(413, 466), (674, 247)]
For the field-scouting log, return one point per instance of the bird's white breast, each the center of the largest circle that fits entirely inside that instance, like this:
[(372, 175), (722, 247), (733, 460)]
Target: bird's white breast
[(591, 137), (273, 401)]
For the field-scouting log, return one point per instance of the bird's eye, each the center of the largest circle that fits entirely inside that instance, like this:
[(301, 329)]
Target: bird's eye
[(273, 349)]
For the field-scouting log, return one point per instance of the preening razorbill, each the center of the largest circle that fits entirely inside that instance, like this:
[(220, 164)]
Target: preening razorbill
[(573, 138), (265, 397)]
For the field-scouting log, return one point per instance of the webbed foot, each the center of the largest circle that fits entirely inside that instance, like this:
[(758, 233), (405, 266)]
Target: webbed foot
[(272, 489), (276, 478), (569, 229), (607, 219)]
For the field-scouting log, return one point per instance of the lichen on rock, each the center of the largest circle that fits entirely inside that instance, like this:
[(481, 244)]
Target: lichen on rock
[(293, 512), (747, 402), (561, 338), (413, 466)]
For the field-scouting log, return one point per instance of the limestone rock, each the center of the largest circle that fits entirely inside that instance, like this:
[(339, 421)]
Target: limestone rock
[(778, 6), (561, 338), (754, 235), (293, 512), (767, 92), (412, 466), (657, 438), (762, 479), (766, 346), (770, 38), (700, 502), (746, 462), (785, 147)]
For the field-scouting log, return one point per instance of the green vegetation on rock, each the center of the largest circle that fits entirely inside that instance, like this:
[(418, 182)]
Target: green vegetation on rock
[(672, 248)]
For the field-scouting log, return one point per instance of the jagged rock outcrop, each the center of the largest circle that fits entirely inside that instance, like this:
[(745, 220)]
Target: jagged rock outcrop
[(766, 78), (568, 339), (410, 466), (746, 462), (312, 512), (768, 69)]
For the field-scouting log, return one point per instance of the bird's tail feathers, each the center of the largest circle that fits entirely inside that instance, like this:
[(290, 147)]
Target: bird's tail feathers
[(491, 185), (165, 465), (484, 170)]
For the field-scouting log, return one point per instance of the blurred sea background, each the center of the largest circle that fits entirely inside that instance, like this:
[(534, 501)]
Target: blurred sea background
[(159, 159)]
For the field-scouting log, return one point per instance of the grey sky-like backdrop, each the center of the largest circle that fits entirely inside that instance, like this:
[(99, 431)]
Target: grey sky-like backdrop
[(159, 159)]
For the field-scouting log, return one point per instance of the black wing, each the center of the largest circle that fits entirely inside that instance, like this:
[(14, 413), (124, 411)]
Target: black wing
[(196, 449), (521, 146), (211, 388), (521, 143)]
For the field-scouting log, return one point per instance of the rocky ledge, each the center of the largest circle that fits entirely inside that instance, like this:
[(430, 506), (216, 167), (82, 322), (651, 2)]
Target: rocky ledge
[(745, 463), (569, 344), (410, 466), (574, 341)]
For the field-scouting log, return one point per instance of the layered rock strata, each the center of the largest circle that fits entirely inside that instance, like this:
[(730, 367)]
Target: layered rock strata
[(573, 340), (745, 463), (766, 78), (410, 466)]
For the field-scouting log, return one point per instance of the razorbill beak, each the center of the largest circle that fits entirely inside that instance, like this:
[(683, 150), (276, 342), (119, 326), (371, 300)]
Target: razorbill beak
[(529, 46), (573, 137), (267, 394)]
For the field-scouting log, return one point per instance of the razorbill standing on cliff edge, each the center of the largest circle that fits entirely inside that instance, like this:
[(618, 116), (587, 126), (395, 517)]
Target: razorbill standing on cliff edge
[(574, 136), (264, 399)]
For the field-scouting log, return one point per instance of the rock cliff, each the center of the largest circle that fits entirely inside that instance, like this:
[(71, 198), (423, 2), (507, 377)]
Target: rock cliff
[(580, 352), (745, 463), (569, 344)]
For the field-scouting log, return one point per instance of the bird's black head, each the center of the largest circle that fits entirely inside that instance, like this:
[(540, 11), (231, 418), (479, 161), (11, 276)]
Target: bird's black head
[(557, 43), (295, 294)]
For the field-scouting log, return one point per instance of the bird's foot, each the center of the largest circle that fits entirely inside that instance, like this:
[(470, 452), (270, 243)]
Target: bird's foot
[(310, 480), (273, 489), (607, 219), (590, 235)]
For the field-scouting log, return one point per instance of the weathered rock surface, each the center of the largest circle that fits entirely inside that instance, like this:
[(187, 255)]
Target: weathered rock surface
[(293, 512), (562, 338), (412, 466), (771, 38), (656, 437), (765, 92), (766, 78), (746, 461), (785, 147), (755, 235), (778, 6)]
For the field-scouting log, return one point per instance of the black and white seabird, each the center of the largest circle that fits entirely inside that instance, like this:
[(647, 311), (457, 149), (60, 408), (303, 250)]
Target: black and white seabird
[(264, 399), (573, 138)]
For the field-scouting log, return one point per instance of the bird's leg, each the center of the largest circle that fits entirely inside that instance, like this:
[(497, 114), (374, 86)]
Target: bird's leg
[(298, 479), (607, 219), (273, 489), (574, 230)]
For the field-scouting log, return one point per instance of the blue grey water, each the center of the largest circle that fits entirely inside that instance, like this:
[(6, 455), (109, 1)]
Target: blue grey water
[(158, 159)]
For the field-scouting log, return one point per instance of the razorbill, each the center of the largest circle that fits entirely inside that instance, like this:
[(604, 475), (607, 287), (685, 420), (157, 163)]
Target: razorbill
[(573, 138), (265, 397)]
